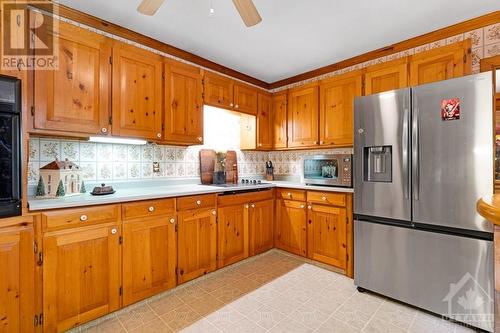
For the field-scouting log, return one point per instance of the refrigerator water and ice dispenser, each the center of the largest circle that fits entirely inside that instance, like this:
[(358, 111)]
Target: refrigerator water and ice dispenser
[(377, 164)]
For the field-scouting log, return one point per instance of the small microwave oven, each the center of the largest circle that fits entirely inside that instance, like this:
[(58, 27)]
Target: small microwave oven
[(331, 170)]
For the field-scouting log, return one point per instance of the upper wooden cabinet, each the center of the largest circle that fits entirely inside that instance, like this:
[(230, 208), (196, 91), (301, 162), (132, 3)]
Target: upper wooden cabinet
[(137, 93), (386, 76), (442, 63), (17, 276), (218, 90), (279, 119), (81, 275), (336, 111), (183, 104), (261, 226), (303, 116), (265, 122), (76, 96), (245, 98)]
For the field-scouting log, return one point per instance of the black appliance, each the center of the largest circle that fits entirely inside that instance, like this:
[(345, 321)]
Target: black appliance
[(10, 146)]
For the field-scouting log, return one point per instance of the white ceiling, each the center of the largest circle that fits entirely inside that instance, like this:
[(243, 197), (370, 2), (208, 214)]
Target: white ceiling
[(294, 36)]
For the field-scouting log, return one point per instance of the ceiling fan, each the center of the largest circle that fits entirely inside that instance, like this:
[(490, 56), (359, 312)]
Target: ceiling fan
[(246, 8)]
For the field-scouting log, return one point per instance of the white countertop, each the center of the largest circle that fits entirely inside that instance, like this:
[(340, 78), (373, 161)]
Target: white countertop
[(157, 192)]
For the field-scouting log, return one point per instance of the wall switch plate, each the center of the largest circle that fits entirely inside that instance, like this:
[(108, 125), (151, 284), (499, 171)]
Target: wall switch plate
[(156, 167)]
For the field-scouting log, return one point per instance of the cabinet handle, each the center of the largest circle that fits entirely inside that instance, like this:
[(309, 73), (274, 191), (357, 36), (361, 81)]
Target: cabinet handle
[(200, 139), (172, 221), (198, 202), (231, 104), (236, 106), (323, 198), (104, 130), (302, 206), (213, 212), (83, 218), (321, 142), (252, 205), (151, 209), (158, 135), (315, 142), (246, 206), (260, 144), (289, 194), (114, 231), (309, 207)]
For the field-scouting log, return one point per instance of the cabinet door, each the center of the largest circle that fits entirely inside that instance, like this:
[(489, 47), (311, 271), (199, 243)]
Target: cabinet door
[(303, 116), (218, 90), (442, 63), (197, 243), (261, 226), (264, 123), (137, 93), (149, 257), (233, 234), (290, 233), (386, 76), (327, 235), (245, 99), (81, 275), (336, 111), (183, 104), (76, 96), (279, 119), (17, 279)]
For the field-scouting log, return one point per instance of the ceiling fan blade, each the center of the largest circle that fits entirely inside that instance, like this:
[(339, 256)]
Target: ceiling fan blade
[(248, 12), (149, 7)]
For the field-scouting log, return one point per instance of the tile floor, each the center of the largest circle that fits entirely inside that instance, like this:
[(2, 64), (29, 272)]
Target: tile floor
[(273, 292)]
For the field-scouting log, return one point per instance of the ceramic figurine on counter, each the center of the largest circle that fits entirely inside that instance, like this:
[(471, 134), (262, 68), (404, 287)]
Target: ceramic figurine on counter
[(60, 178)]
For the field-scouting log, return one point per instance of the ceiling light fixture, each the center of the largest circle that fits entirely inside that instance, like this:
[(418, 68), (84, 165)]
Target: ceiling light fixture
[(104, 139)]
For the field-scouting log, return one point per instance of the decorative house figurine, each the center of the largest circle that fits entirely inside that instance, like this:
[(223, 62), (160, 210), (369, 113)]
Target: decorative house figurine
[(60, 178)]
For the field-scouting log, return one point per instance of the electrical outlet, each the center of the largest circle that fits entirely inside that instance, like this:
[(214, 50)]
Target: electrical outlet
[(156, 167)]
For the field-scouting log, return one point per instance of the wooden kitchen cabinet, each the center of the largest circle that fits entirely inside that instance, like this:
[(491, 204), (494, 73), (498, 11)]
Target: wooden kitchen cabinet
[(76, 96), (81, 275), (196, 243), (441, 63), (149, 256), (336, 111), (137, 93), (386, 76), (327, 236), (279, 119), (264, 122), (183, 104), (291, 226), (261, 226), (218, 90), (303, 116), (232, 234), (17, 276), (245, 98)]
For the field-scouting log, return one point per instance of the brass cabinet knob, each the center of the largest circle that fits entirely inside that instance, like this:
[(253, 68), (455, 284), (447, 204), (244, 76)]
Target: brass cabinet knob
[(323, 198), (246, 206), (151, 209), (252, 205), (302, 206), (83, 218)]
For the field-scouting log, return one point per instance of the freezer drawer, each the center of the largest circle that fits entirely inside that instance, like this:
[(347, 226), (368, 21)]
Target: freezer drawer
[(436, 272)]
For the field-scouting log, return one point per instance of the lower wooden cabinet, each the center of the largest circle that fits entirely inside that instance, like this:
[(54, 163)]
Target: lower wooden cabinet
[(233, 234), (261, 226), (196, 243), (326, 233), (17, 278), (81, 275), (149, 257), (291, 227)]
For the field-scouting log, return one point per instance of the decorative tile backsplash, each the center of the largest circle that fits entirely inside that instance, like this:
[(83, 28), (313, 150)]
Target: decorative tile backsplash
[(115, 162)]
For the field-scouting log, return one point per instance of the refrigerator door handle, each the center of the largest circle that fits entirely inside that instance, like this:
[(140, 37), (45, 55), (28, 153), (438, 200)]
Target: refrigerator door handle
[(405, 144), (416, 152)]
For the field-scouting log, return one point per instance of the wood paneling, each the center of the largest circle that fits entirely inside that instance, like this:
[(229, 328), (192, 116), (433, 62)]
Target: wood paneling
[(326, 232), (232, 234), (183, 104), (81, 275), (303, 116), (261, 226), (386, 76), (137, 93), (149, 257), (245, 98), (336, 110), (279, 119), (197, 243), (290, 226), (76, 96), (442, 63), (218, 90), (265, 126)]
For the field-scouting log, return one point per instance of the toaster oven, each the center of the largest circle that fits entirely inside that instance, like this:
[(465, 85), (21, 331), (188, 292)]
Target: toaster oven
[(330, 170)]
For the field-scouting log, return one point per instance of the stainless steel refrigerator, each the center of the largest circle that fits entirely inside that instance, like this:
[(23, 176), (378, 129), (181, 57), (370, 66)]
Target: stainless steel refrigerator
[(423, 156)]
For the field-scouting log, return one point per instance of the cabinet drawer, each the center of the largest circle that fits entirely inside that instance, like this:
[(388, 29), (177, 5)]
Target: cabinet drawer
[(249, 197), (196, 201), (137, 209), (291, 194), (77, 217), (330, 198)]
